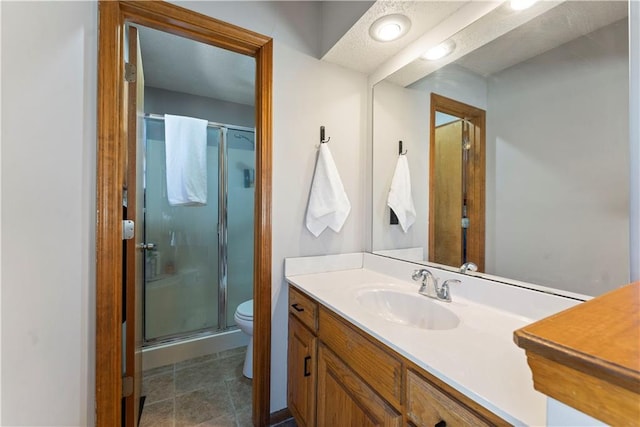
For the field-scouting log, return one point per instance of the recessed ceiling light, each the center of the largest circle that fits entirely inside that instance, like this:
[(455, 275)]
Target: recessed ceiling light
[(522, 4), (390, 27), (440, 51)]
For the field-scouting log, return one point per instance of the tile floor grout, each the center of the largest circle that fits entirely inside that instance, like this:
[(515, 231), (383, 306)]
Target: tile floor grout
[(190, 400)]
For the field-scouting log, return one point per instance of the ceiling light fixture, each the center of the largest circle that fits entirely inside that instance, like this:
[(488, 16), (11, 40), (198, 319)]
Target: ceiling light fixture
[(522, 4), (390, 27), (440, 51)]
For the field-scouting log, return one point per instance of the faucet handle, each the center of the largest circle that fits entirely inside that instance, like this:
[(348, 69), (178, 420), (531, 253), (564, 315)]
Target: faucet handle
[(444, 293), (419, 274), (468, 266)]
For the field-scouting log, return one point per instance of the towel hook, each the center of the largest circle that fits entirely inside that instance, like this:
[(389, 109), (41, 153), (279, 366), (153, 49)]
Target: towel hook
[(400, 149), (322, 140)]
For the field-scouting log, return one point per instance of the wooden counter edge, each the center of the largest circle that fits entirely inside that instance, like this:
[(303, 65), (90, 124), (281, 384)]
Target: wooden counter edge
[(579, 379)]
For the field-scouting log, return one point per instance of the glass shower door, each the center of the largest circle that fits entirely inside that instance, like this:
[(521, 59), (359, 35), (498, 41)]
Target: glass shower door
[(241, 165), (181, 283)]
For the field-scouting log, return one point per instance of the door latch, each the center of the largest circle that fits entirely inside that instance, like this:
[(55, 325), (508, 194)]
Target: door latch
[(128, 229)]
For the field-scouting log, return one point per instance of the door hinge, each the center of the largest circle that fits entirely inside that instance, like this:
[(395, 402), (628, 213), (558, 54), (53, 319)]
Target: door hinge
[(465, 222), (130, 72), (127, 386), (128, 229)]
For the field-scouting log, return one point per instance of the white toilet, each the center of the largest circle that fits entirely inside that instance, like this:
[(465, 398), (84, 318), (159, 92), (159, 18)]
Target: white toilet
[(244, 320)]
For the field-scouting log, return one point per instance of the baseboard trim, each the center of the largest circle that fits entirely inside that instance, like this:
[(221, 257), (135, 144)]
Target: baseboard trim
[(280, 416)]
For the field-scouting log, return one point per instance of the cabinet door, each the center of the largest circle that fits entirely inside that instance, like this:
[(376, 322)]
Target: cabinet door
[(301, 391), (345, 400)]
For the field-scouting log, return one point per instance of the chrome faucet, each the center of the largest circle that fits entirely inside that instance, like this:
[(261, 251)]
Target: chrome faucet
[(468, 266), (430, 286)]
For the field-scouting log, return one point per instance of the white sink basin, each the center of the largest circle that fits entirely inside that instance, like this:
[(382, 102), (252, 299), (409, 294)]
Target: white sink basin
[(407, 309)]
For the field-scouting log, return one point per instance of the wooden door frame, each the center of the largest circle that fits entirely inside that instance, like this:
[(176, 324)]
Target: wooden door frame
[(476, 242), (111, 170)]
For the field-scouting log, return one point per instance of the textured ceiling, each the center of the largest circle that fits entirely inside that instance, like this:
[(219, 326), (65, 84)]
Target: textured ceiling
[(358, 51), (560, 25), (182, 65), (490, 44), (496, 41)]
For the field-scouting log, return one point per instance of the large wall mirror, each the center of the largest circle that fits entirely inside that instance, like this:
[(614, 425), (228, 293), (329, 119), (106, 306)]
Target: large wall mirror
[(556, 176)]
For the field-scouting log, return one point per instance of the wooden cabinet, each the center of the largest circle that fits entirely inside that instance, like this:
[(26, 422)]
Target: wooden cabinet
[(341, 376), (302, 352), (346, 400), (427, 405), (368, 359), (301, 392)]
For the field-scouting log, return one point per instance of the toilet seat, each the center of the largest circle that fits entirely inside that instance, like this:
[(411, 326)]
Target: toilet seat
[(245, 310)]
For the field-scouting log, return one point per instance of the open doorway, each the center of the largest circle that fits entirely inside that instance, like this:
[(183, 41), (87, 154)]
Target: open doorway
[(118, 169), (457, 183)]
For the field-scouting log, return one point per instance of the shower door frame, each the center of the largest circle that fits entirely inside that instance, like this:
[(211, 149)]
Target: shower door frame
[(111, 170), (222, 233)]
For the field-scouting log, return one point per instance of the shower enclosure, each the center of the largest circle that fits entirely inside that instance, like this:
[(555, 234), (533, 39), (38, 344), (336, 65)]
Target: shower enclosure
[(199, 259)]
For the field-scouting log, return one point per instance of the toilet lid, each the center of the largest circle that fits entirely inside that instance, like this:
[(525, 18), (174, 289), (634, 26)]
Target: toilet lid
[(245, 309)]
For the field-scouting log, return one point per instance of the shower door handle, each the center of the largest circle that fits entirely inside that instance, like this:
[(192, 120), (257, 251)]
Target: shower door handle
[(147, 246)]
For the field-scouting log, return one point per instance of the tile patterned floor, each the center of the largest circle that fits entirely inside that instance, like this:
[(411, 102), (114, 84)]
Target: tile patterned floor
[(208, 391)]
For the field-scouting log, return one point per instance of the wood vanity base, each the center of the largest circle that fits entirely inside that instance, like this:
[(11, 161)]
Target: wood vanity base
[(357, 380)]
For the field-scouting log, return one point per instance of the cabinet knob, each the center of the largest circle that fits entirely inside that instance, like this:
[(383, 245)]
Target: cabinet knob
[(297, 307), (441, 423)]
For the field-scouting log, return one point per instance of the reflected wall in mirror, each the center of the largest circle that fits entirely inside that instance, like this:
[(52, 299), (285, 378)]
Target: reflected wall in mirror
[(555, 91)]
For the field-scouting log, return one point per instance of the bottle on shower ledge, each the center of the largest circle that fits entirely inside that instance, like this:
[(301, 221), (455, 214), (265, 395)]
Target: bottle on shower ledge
[(170, 267)]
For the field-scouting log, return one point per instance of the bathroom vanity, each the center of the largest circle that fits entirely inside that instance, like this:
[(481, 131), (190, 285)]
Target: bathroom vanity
[(364, 350), (357, 380)]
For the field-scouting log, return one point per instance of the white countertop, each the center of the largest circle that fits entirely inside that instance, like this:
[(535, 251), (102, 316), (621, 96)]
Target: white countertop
[(478, 357)]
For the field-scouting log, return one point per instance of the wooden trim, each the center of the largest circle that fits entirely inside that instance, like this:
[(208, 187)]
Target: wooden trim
[(111, 168), (280, 416), (590, 354), (193, 25), (262, 240), (601, 399), (477, 176), (110, 176)]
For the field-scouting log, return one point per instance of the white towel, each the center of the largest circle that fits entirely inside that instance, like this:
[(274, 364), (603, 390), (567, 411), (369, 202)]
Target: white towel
[(328, 203), (186, 154), (400, 199)]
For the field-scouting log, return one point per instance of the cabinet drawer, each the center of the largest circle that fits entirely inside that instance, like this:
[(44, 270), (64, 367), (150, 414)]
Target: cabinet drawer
[(379, 369), (304, 308), (428, 406)]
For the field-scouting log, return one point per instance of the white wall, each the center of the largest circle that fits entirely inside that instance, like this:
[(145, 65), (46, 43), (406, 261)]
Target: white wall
[(557, 166), (48, 203), (400, 115), (161, 101)]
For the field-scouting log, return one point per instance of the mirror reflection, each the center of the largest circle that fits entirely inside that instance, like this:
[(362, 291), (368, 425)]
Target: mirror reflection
[(553, 189)]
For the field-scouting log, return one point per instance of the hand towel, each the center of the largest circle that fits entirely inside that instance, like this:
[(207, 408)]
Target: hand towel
[(328, 203), (400, 199), (186, 158)]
